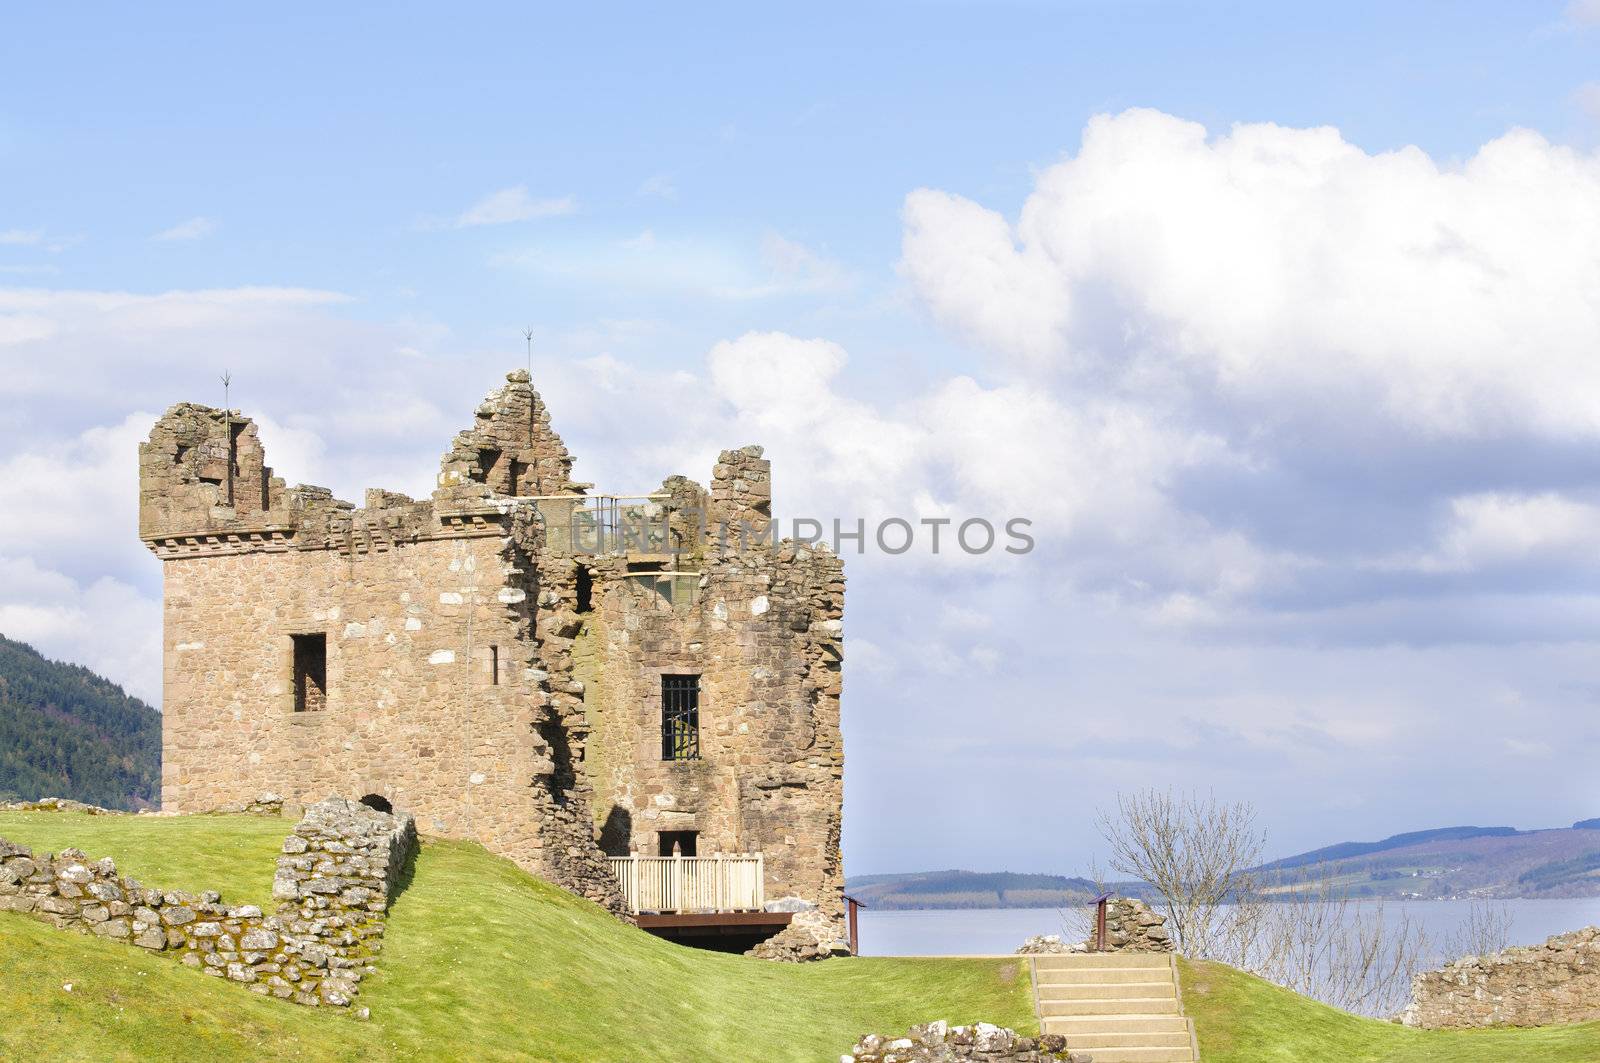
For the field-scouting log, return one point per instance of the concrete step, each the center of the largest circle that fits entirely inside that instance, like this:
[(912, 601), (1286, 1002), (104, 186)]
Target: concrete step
[(1167, 1005), (1112, 1039), (1101, 975), (1102, 960), (1142, 1055), (1105, 990), (1093, 1026)]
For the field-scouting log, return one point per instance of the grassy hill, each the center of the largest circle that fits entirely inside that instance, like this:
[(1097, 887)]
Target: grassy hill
[(481, 962), (484, 962), (1241, 1019), (66, 732), (1486, 861)]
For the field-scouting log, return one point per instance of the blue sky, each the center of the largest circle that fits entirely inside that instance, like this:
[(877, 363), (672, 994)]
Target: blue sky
[(1278, 320)]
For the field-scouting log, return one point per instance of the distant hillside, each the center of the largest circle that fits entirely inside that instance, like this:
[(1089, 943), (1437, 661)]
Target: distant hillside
[(1349, 850), (1500, 862), (66, 732), (970, 889), (1455, 861)]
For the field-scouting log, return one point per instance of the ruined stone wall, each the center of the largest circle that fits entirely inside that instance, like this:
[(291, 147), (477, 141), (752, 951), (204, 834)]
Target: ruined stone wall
[(1540, 985), (487, 671), (762, 628), (435, 698), (339, 872)]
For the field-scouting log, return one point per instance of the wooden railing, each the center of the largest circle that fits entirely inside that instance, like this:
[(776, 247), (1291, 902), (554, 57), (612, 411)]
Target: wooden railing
[(722, 883)]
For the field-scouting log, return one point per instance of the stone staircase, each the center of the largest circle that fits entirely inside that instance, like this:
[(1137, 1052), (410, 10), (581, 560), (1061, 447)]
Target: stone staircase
[(1119, 1007)]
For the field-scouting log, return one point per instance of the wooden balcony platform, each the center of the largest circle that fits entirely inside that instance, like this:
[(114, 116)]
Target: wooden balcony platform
[(699, 924)]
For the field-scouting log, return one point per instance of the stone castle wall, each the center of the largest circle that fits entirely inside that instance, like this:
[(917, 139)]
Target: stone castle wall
[(338, 873), (487, 670), (1540, 985)]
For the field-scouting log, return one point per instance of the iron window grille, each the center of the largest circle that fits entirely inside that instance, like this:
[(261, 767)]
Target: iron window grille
[(680, 717)]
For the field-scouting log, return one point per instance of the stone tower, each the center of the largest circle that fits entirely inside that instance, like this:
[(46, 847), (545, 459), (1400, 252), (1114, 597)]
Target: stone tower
[(559, 675)]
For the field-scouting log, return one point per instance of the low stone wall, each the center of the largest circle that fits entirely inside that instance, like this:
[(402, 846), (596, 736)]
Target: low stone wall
[(810, 935), (1539, 985), (339, 870), (59, 804), (939, 1042), (1131, 926), (265, 804)]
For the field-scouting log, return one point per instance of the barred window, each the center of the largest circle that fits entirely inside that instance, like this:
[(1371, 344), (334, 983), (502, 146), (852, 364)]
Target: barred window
[(680, 717)]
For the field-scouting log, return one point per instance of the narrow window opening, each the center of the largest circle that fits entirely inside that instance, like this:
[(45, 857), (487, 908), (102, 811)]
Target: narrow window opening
[(647, 566), (235, 428), (678, 842), (585, 588), (517, 477), (310, 672), (377, 803), (494, 665), (488, 458), (680, 717)]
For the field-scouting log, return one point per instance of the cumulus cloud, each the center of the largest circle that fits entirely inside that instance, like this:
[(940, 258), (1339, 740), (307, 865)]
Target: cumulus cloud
[(104, 624), (193, 229), (1495, 529), (513, 205), (1280, 265)]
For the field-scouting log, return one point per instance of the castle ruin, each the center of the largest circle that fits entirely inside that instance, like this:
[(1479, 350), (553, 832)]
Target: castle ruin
[(625, 696)]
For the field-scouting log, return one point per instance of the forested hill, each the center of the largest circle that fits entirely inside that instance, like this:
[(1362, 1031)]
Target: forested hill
[(66, 732)]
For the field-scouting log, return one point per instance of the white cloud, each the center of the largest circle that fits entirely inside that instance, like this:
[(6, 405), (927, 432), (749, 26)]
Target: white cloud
[(1584, 12), (659, 186), (20, 237), (104, 624), (513, 205), (1280, 265), (1496, 528), (197, 228)]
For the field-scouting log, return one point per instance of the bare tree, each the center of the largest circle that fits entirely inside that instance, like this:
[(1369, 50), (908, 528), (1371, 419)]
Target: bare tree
[(1300, 930), (1485, 931), (1319, 941), (1194, 851)]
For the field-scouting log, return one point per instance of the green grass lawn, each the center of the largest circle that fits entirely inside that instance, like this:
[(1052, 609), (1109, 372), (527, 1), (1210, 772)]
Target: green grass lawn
[(481, 962), (1241, 1019)]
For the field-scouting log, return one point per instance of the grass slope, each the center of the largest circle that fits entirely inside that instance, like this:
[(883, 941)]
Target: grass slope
[(481, 962), (1241, 1019)]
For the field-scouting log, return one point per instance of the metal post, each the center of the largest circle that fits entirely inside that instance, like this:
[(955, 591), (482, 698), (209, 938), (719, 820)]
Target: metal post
[(1100, 922), (855, 938)]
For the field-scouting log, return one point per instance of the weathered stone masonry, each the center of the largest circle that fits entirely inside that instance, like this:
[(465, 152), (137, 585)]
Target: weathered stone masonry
[(338, 872), (478, 660), (1537, 985)]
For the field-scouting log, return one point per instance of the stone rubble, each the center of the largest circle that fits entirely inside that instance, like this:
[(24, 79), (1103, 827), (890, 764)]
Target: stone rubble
[(339, 870), (1048, 945), (939, 1042), (1537, 985), (59, 804)]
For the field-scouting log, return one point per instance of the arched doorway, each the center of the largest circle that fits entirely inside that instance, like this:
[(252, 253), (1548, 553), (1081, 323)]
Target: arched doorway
[(377, 803)]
